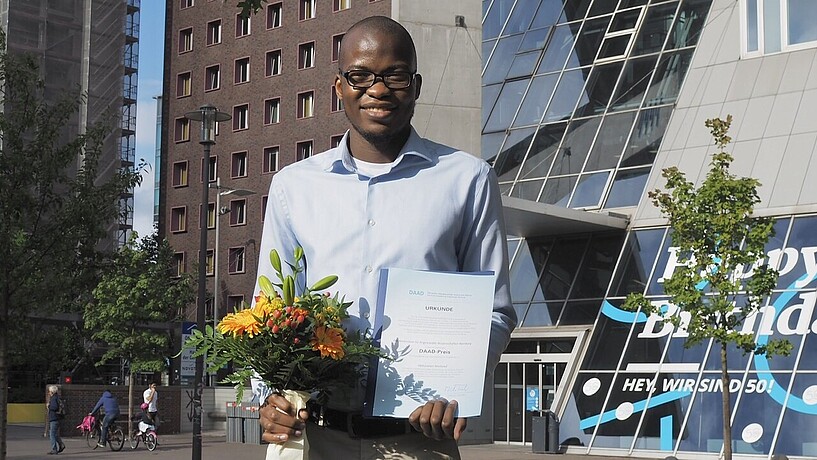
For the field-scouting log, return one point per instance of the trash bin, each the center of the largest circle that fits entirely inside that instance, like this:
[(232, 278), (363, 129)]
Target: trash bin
[(545, 433)]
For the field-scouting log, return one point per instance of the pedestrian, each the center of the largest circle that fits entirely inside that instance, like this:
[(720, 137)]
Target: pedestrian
[(151, 397), (111, 405), (54, 417), (384, 197)]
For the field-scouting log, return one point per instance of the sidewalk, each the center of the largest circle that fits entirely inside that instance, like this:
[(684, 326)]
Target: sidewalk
[(26, 442)]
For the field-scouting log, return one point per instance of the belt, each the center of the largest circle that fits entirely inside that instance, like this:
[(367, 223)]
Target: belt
[(357, 426)]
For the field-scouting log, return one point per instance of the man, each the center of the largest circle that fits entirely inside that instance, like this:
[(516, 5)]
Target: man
[(54, 417), (151, 397), (385, 197), (111, 405)]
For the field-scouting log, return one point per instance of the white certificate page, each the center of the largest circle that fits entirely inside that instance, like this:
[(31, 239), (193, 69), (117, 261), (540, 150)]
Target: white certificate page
[(436, 327)]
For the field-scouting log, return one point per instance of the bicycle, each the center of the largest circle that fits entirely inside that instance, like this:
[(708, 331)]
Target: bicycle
[(116, 437), (148, 436)]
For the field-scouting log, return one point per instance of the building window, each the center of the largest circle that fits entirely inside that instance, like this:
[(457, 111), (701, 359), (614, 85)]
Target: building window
[(306, 10), (186, 4), (182, 131), (772, 26), (210, 262), (270, 159), (334, 141), (272, 111), (336, 41), (239, 165), (183, 82), (241, 115), (178, 219), (337, 103), (303, 150), (306, 55), (242, 26), (186, 40), (212, 170), (236, 260), (306, 104), (238, 212), (242, 70), (274, 16), (211, 215), (234, 302), (339, 5), (273, 63), (264, 200), (212, 78), (178, 264), (180, 174), (214, 32)]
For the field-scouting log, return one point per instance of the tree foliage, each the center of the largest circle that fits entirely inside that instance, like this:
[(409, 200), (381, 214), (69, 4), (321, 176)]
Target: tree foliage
[(55, 205), (723, 278)]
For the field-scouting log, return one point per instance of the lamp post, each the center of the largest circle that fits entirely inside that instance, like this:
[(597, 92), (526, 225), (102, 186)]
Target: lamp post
[(209, 116), (222, 191)]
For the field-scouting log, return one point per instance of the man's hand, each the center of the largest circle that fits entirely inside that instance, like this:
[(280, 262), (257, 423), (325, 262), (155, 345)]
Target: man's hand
[(437, 420), (279, 421)]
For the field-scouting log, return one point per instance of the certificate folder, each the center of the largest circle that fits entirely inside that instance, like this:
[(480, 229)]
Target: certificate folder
[(436, 327)]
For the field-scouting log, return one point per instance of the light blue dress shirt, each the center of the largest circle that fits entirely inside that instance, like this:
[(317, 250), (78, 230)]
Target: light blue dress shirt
[(437, 208)]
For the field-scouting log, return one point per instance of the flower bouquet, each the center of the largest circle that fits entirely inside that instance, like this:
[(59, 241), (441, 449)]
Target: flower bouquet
[(294, 342)]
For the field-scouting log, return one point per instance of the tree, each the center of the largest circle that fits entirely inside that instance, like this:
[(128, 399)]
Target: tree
[(55, 205), (723, 278), (134, 302)]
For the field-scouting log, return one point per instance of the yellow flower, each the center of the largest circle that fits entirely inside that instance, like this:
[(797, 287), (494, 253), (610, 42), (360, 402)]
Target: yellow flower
[(329, 341), (240, 323)]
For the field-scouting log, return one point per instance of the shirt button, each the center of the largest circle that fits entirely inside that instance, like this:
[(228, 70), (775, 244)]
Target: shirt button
[(371, 222), (366, 315), (369, 268)]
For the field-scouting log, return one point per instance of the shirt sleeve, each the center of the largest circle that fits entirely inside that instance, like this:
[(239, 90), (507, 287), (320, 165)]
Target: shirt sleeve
[(485, 248)]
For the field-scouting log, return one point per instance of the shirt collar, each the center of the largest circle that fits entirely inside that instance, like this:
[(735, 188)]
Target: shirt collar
[(415, 146)]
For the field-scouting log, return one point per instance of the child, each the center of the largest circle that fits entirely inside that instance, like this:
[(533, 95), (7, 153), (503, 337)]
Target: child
[(146, 421)]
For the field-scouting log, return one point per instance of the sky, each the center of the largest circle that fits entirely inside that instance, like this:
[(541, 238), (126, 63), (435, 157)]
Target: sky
[(151, 55)]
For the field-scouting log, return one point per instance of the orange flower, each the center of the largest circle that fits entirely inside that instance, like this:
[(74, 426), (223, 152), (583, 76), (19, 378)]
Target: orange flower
[(240, 323), (329, 341)]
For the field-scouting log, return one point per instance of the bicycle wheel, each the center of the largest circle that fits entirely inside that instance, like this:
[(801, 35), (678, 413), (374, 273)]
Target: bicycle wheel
[(92, 437), (116, 438), (151, 441), (134, 440)]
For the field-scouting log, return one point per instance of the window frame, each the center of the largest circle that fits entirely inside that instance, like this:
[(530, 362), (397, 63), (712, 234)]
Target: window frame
[(178, 219), (208, 73), (271, 70), (783, 28), (181, 130), (211, 38), (239, 165), (306, 10), (210, 262), (185, 40), (306, 55), (268, 104), (237, 256), (335, 140), (240, 22), (338, 5), (238, 111), (266, 166), (241, 70), (301, 112), (336, 41), (179, 264), (211, 215), (184, 84), (336, 104), (185, 4), (212, 169), (301, 148), (181, 174), (279, 6), (238, 212)]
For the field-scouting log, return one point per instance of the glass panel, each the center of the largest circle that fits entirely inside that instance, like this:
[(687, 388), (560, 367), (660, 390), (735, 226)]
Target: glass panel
[(654, 31), (527, 190), (574, 10), (561, 268), (646, 137), (557, 190), (558, 48), (536, 100), (661, 270), (587, 43), (506, 105), (625, 20), (609, 339), (501, 59), (688, 25), (602, 7), (489, 95), (588, 192), (524, 276), (628, 186), (678, 353), (575, 147), (751, 25), (523, 64), (487, 47), (501, 402), (491, 143), (704, 432), (756, 417), (543, 314), (771, 26), (517, 400), (801, 21), (599, 88), (661, 426), (513, 153), (796, 435), (534, 39), (564, 99), (615, 46), (541, 249), (520, 17), (597, 267), (492, 25), (668, 78), (610, 141), (637, 260), (544, 147), (580, 312), (803, 234), (589, 392), (523, 347), (633, 83), (547, 14), (629, 3)]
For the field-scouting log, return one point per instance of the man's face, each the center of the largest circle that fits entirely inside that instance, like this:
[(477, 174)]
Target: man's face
[(378, 114)]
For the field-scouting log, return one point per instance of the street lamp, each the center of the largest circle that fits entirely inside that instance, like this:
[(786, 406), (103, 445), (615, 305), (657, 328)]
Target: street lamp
[(209, 116), (222, 191)]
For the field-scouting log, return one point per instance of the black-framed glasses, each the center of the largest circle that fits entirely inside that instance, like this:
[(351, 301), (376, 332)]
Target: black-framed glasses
[(363, 79)]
